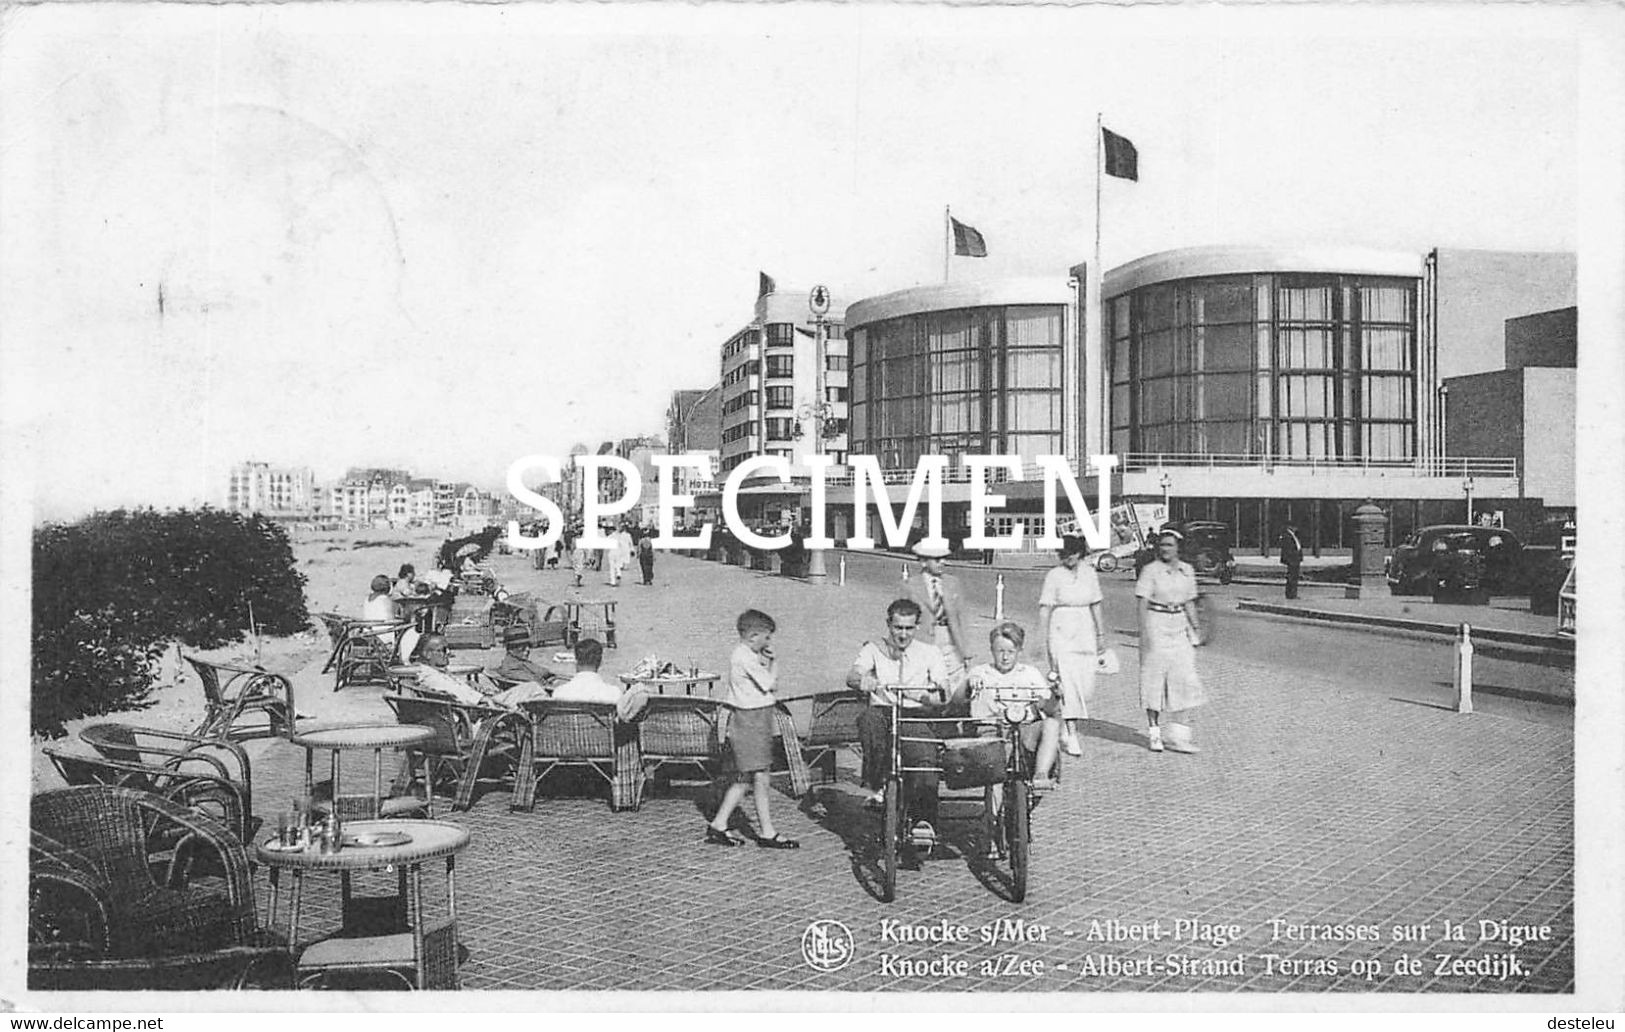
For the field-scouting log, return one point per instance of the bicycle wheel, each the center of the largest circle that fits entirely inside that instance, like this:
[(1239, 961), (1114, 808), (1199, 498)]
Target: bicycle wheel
[(1107, 563), (889, 839), (1017, 829)]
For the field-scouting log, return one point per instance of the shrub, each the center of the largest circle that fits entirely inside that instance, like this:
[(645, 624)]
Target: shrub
[(113, 589)]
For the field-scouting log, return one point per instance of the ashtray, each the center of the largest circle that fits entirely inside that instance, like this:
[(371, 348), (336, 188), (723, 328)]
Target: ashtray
[(274, 846), (378, 838)]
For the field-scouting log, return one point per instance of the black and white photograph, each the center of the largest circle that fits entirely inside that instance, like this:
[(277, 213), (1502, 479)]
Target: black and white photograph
[(811, 507)]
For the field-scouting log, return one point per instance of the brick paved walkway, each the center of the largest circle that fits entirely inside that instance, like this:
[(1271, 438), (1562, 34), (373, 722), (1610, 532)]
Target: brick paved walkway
[(1316, 803)]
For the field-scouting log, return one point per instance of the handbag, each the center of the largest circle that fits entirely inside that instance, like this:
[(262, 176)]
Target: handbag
[(973, 762), (1106, 662)]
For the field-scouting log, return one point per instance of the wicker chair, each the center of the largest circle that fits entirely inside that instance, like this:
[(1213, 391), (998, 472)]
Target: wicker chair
[(363, 650), (232, 692), (680, 730), (579, 734), (834, 724), (465, 737), (173, 750), (224, 800), (99, 919)]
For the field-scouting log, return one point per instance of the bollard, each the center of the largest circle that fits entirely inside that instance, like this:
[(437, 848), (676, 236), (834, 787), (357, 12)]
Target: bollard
[(842, 575), (998, 597), (1464, 670), (905, 573)]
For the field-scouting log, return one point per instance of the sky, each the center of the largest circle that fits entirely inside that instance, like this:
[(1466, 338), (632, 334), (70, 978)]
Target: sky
[(442, 237)]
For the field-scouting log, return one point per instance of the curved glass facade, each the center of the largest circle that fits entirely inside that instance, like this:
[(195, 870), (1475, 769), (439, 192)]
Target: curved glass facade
[(956, 382), (1283, 365)]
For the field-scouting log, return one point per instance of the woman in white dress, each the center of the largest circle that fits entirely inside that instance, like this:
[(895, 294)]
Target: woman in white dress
[(1071, 618), (1170, 630)]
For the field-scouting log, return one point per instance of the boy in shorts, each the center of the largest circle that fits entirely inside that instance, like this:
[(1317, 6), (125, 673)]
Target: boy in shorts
[(751, 675)]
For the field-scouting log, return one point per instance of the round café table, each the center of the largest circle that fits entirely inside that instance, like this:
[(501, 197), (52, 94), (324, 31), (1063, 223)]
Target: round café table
[(426, 948), (702, 684), (362, 738)]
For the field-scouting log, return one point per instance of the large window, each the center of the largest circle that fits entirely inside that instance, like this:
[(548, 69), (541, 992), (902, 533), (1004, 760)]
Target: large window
[(958, 382), (780, 366), (1297, 366)]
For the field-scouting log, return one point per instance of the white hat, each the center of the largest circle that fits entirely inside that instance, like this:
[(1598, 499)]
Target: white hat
[(925, 551)]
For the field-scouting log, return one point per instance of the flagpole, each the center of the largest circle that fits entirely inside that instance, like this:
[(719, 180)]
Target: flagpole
[(947, 239), (1094, 337)]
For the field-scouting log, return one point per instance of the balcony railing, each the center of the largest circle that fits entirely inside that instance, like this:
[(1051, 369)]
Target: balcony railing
[(1140, 462), (1444, 466)]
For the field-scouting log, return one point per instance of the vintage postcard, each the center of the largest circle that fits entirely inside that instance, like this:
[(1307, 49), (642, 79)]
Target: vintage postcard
[(798, 506)]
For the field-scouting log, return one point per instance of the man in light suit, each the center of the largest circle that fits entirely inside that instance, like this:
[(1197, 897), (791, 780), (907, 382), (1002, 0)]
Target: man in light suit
[(942, 606)]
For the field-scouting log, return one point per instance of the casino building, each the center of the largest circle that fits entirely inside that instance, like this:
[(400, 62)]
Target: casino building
[(1250, 385)]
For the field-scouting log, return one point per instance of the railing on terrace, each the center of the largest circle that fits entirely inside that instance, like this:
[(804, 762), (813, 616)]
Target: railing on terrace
[(1140, 462)]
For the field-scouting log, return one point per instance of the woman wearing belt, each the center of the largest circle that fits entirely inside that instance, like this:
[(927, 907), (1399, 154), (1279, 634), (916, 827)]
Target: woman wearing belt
[(1069, 612), (1169, 632)]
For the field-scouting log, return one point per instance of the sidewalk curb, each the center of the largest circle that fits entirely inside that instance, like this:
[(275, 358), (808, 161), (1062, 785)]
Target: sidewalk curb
[(1546, 642)]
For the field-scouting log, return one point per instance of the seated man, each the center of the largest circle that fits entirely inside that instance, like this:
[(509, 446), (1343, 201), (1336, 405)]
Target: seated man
[(430, 671), (898, 659), (517, 665), (587, 685)]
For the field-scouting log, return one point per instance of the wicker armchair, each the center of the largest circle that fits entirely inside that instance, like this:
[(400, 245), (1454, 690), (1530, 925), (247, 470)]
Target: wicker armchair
[(99, 919), (579, 734), (834, 724), (680, 730), (224, 800), (363, 650), (465, 738), (233, 692), (172, 750)]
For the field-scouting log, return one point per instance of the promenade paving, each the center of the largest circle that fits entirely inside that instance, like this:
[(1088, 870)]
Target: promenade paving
[(1319, 817)]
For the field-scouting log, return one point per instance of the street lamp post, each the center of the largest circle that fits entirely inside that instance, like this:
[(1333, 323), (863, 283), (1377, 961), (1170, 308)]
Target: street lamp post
[(818, 301), (1467, 486), (1167, 497)]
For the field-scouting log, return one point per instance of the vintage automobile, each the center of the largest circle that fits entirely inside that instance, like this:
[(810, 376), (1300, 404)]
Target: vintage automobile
[(1205, 544), (1456, 558)]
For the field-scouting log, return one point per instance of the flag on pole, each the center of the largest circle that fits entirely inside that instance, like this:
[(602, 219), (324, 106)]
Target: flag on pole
[(1122, 160), (766, 286), (967, 242)]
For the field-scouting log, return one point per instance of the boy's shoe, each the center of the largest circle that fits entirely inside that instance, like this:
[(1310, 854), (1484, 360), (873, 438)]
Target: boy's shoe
[(923, 836), (778, 841), (713, 837), (1154, 739)]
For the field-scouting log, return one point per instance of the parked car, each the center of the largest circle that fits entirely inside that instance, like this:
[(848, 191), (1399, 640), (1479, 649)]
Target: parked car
[(1205, 544), (1456, 558)]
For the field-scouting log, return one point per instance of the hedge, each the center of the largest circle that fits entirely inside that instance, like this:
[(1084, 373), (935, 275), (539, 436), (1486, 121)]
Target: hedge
[(114, 589)]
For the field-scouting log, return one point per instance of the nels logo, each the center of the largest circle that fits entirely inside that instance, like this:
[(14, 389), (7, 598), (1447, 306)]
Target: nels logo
[(827, 946)]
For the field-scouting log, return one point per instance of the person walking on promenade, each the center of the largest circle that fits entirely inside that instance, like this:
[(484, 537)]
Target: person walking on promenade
[(1291, 557), (1070, 616), (578, 555), (897, 659), (942, 604), (1169, 632), (646, 556), (752, 672)]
